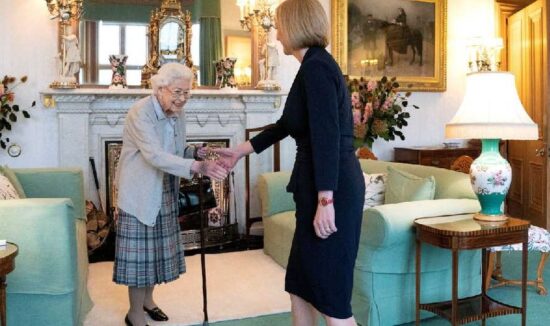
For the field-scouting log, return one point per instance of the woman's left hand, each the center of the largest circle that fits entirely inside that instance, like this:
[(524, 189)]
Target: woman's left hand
[(324, 223)]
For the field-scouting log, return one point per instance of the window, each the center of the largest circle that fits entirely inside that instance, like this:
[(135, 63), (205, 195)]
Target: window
[(121, 38)]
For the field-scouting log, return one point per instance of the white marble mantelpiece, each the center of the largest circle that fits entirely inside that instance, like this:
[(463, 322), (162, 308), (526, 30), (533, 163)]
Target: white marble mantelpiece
[(89, 117)]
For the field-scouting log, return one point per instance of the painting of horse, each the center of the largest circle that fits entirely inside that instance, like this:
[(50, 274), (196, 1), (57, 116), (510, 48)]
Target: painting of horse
[(400, 39)]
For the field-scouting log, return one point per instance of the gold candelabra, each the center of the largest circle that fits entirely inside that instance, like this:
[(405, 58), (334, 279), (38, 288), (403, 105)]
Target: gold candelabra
[(67, 11), (255, 14)]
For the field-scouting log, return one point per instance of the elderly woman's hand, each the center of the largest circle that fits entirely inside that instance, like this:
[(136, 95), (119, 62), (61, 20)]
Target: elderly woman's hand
[(209, 168)]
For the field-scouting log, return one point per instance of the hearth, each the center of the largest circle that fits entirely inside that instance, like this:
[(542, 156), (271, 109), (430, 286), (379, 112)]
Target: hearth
[(219, 227)]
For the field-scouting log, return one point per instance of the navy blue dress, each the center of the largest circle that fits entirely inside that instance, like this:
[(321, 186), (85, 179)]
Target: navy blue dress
[(318, 116)]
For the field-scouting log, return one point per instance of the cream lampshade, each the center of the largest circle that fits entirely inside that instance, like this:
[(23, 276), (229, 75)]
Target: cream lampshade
[(491, 110)]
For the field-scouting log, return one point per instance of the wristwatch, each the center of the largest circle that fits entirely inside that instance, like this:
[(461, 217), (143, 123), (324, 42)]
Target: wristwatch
[(323, 201)]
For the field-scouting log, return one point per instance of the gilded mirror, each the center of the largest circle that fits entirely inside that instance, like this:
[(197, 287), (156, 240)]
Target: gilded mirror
[(169, 39), (122, 27)]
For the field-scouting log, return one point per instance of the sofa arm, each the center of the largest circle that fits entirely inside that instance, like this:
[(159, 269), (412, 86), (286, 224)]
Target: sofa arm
[(386, 225), (273, 195), (55, 183), (45, 231)]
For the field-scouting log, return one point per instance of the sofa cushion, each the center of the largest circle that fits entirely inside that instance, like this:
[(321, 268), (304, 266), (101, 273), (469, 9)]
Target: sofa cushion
[(448, 184), (7, 190), (273, 195), (278, 234), (403, 186), (375, 189), (8, 173)]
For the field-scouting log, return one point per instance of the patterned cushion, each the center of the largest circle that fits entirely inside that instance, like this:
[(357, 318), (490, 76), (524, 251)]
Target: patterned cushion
[(375, 189), (7, 190), (10, 174), (539, 240)]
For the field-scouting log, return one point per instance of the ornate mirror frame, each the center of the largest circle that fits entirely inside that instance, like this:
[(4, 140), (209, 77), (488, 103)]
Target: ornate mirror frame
[(169, 11)]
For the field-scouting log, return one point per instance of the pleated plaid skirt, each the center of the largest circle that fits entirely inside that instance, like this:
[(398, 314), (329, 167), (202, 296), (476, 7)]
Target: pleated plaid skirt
[(145, 255)]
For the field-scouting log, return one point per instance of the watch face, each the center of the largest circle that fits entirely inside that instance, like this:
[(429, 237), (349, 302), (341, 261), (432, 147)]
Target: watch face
[(14, 150)]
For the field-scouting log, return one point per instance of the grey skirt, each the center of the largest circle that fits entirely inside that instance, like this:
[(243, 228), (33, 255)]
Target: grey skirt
[(149, 255)]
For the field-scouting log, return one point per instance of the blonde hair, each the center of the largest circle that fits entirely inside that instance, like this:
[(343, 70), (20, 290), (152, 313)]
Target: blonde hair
[(304, 23), (168, 73)]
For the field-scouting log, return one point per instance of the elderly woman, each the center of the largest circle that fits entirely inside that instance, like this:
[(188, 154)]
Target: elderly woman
[(326, 182), (153, 158)]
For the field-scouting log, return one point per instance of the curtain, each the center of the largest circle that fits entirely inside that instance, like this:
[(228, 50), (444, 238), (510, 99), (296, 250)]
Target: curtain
[(210, 48)]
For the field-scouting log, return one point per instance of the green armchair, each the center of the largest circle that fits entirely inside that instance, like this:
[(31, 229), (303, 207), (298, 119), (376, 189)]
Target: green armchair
[(384, 276), (49, 283)]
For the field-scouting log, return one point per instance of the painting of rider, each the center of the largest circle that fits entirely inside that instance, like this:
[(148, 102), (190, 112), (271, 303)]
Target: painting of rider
[(392, 37)]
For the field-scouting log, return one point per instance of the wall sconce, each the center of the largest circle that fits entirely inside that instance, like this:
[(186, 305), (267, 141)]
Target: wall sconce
[(67, 11), (484, 54)]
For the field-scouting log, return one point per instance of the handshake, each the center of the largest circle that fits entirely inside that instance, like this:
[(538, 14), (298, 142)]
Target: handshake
[(216, 162)]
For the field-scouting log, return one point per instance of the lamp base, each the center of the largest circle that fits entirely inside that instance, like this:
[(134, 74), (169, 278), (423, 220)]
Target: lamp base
[(490, 218)]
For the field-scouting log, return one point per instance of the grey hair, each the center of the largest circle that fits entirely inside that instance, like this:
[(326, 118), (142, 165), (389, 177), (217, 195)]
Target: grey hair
[(168, 73)]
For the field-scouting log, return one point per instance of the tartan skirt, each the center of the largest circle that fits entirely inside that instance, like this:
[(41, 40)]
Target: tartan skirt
[(149, 255)]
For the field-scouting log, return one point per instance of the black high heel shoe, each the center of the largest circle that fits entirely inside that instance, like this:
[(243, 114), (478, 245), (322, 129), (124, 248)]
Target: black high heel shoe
[(128, 322), (156, 314)]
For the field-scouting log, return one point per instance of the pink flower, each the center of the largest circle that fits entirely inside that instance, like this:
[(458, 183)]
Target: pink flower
[(354, 99), (356, 116), (368, 112), (387, 103), (2, 89), (10, 96), (371, 85)]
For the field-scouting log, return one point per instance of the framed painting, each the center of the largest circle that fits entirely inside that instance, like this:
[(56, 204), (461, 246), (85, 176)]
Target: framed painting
[(395, 38)]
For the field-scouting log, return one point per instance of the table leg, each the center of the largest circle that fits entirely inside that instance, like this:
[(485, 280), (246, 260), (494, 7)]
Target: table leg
[(418, 258), (524, 280), (454, 307), (485, 272), (2, 300)]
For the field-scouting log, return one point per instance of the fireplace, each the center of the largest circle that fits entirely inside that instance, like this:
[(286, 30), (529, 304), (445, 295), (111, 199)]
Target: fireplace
[(90, 118), (220, 229)]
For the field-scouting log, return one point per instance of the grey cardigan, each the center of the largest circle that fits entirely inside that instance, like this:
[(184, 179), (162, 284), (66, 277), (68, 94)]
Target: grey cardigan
[(143, 161)]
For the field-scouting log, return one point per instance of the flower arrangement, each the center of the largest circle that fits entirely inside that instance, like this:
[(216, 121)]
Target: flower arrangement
[(378, 110), (9, 112)]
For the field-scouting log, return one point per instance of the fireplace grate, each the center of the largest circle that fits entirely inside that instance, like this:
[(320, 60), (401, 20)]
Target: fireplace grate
[(213, 236)]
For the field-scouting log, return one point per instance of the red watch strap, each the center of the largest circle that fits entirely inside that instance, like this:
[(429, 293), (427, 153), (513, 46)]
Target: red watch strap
[(323, 201)]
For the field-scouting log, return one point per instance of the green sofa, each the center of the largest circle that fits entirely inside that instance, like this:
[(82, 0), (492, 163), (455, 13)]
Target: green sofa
[(384, 277), (49, 283)]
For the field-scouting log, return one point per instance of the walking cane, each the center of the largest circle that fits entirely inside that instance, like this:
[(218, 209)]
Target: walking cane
[(203, 261)]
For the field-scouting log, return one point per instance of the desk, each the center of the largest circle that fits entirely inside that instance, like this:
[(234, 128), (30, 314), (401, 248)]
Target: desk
[(7, 264), (458, 232)]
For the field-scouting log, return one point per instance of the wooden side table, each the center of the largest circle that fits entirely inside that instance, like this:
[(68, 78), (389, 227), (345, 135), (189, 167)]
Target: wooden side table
[(458, 232), (7, 264)]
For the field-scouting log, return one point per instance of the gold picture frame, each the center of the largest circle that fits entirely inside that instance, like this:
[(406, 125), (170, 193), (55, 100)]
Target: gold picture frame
[(359, 55)]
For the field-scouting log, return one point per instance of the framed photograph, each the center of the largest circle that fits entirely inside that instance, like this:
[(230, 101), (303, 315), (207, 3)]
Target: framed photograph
[(395, 38)]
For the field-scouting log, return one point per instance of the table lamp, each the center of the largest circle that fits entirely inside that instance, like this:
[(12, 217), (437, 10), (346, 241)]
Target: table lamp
[(491, 110)]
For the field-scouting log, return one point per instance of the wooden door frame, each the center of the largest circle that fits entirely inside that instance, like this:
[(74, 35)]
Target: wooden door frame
[(503, 10)]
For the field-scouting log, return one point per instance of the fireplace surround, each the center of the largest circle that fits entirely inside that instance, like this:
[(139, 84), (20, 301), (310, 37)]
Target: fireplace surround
[(89, 118)]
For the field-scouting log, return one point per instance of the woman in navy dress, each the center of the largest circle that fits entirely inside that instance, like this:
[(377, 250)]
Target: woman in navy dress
[(326, 181)]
